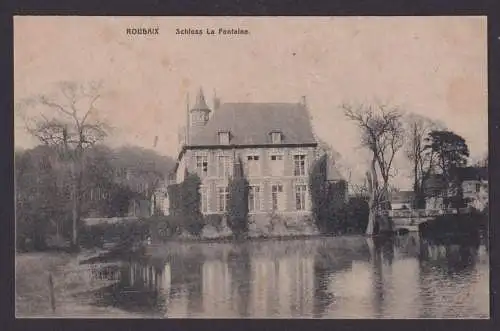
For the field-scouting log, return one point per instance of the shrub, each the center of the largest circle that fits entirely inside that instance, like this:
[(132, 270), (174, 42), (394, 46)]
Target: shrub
[(185, 204), (124, 233), (214, 220), (328, 199), (190, 203), (238, 202), (356, 214), (319, 192), (174, 196), (164, 227)]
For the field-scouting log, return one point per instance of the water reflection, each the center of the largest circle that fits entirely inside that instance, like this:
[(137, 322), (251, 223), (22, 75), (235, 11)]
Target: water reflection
[(343, 277)]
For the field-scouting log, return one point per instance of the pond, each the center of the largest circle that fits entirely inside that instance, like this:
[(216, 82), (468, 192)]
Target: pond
[(339, 277)]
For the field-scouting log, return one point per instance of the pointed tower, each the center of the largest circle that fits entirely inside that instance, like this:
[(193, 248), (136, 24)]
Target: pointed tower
[(200, 112)]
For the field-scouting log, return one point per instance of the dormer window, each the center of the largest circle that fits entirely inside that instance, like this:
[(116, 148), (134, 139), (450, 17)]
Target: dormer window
[(224, 138), (276, 137)]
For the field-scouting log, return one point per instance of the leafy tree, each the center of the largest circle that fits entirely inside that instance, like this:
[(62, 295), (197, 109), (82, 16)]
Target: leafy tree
[(318, 189), (98, 178), (451, 153), (451, 150), (190, 203), (146, 169), (68, 123), (356, 214), (238, 201), (37, 211)]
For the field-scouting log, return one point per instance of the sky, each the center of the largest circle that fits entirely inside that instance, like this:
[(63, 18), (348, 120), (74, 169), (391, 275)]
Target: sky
[(432, 66)]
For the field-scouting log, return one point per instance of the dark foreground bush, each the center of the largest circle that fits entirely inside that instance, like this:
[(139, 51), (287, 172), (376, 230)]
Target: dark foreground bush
[(122, 234), (453, 225), (356, 215), (214, 220), (165, 227), (185, 202)]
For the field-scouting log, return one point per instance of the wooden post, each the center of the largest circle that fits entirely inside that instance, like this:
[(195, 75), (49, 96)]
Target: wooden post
[(52, 296)]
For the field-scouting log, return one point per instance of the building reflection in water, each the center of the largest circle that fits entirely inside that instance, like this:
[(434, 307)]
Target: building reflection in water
[(283, 287), (141, 288), (354, 277), (216, 288), (344, 277)]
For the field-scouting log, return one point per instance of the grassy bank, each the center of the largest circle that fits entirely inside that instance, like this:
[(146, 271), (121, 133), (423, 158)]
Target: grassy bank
[(33, 297)]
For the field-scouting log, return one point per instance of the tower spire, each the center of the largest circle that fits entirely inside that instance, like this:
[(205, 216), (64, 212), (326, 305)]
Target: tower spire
[(200, 103), (199, 115)]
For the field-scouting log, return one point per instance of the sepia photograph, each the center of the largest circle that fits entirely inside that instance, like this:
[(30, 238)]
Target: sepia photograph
[(251, 167)]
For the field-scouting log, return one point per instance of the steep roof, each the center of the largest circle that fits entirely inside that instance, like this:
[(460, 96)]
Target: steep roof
[(474, 173), (436, 182), (252, 123)]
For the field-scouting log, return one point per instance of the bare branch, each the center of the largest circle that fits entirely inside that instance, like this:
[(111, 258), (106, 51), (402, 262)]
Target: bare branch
[(46, 102), (381, 132), (68, 128), (91, 108)]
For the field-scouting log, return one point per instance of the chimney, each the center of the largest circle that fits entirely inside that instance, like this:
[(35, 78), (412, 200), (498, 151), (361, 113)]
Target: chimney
[(188, 124), (303, 101), (216, 101)]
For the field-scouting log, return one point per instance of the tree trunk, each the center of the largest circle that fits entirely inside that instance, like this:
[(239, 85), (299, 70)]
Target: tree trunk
[(373, 191), (385, 224), (76, 178), (74, 237), (416, 192)]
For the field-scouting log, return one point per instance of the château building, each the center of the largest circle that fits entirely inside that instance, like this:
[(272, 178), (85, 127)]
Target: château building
[(275, 143)]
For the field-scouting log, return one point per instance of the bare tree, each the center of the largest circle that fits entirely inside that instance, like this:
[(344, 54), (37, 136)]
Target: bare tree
[(67, 122), (422, 162), (382, 133)]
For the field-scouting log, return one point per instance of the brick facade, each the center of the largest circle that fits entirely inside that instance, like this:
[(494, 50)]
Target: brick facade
[(263, 178)]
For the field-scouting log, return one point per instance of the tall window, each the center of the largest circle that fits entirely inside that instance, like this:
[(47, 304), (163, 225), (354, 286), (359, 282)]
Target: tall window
[(141, 187), (122, 173), (204, 199), (253, 198), (300, 197), (478, 187), (299, 162), (202, 165), (224, 138), (276, 137), (277, 197), (277, 165), (97, 194), (224, 166), (222, 198), (253, 165)]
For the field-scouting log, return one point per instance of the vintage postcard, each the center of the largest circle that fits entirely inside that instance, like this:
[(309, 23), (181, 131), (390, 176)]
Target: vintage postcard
[(251, 167)]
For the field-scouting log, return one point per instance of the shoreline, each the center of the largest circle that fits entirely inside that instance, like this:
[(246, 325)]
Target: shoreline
[(250, 239), (232, 239), (32, 293)]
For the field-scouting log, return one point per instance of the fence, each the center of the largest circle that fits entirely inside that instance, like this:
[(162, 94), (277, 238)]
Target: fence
[(109, 220), (423, 213)]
